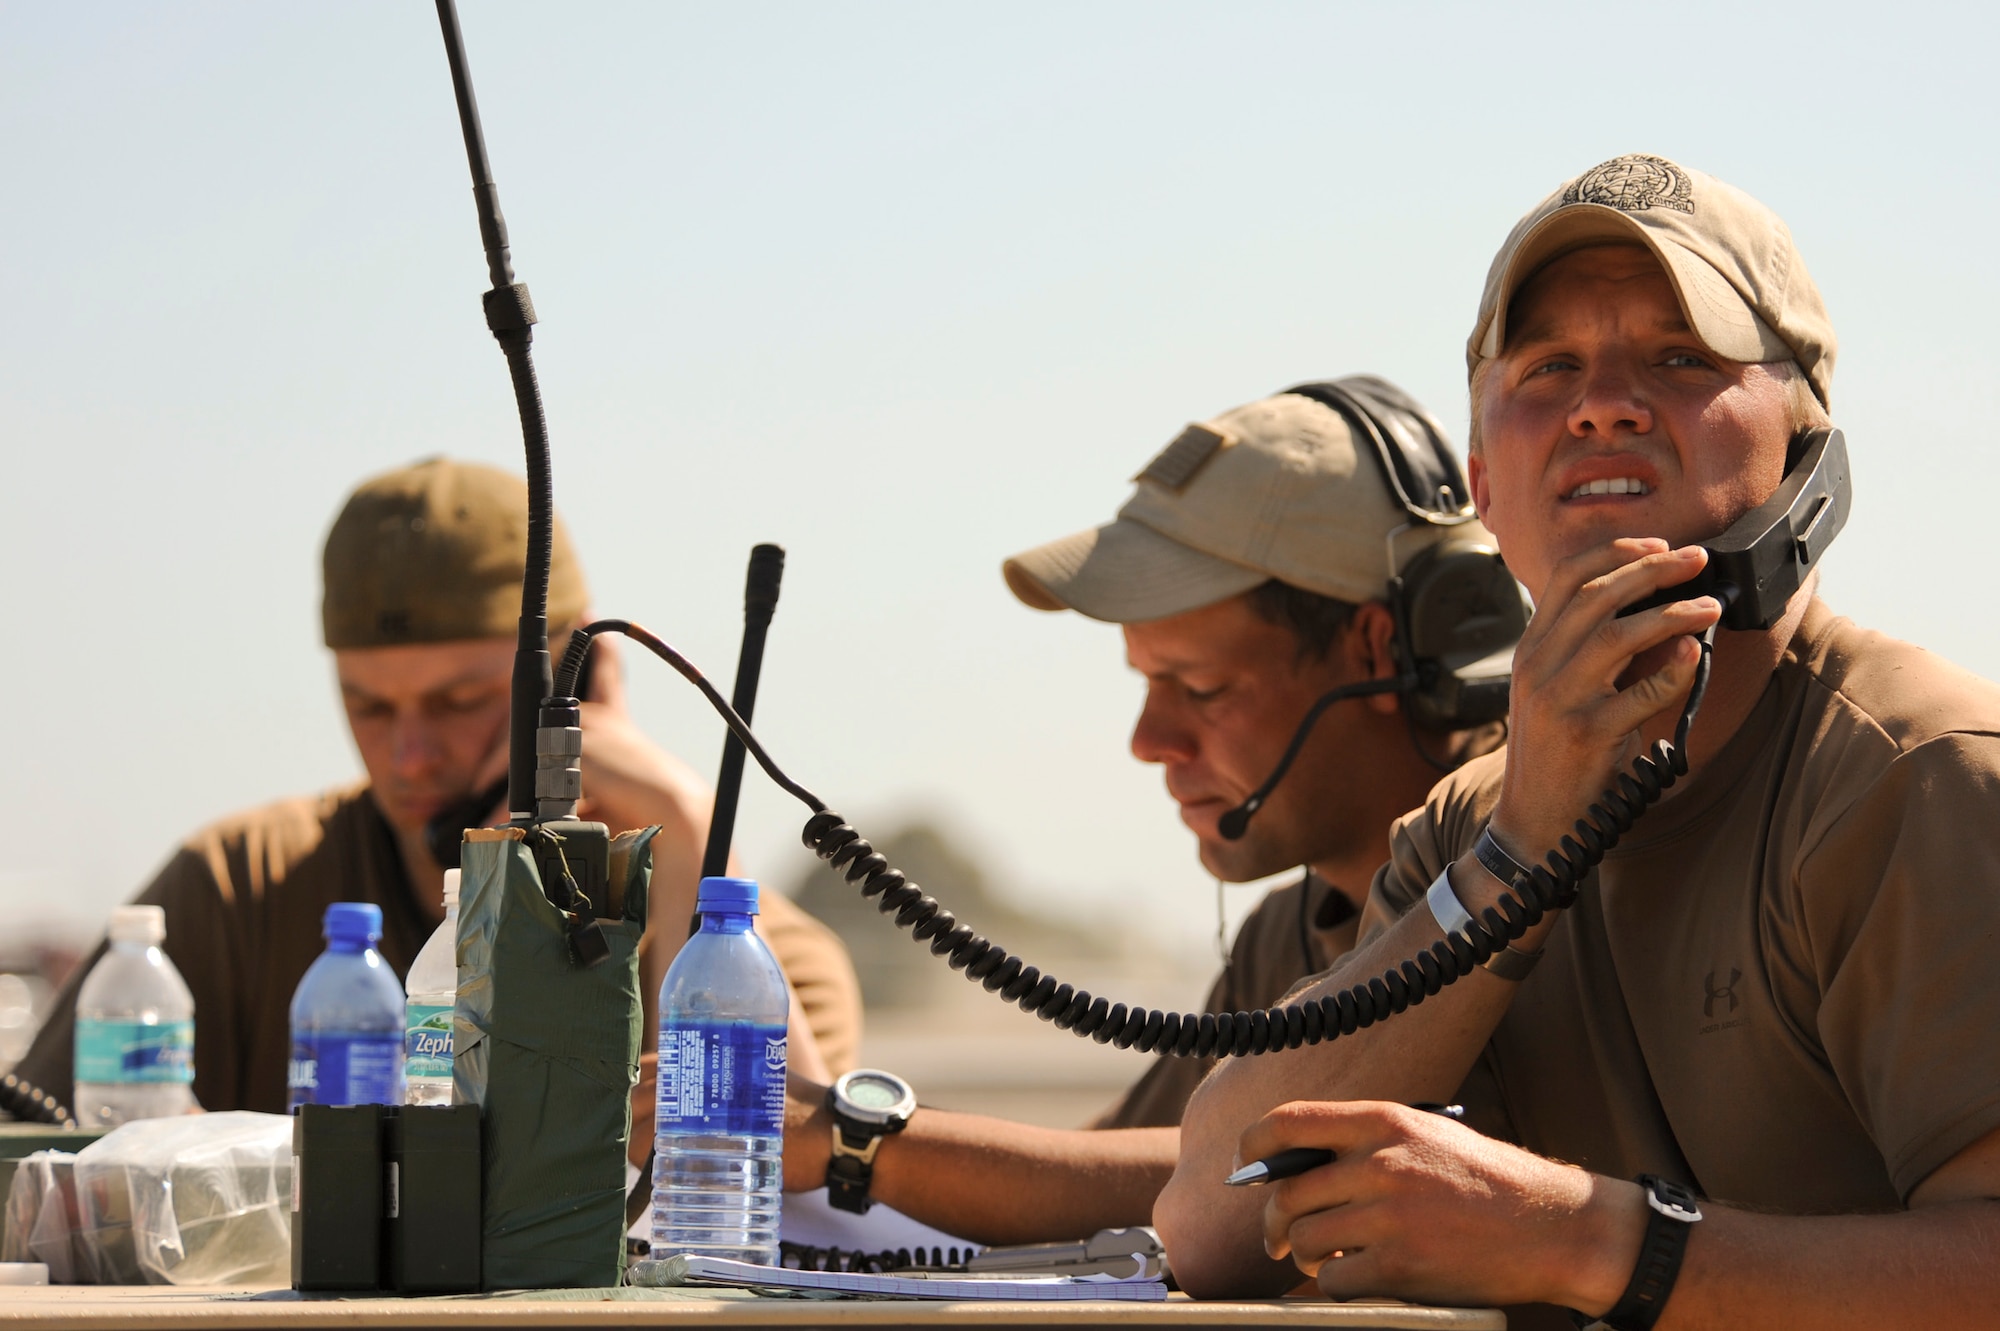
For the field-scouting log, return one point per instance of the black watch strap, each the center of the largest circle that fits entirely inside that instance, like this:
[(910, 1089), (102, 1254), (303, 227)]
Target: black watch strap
[(1671, 1211), (851, 1167), (848, 1176)]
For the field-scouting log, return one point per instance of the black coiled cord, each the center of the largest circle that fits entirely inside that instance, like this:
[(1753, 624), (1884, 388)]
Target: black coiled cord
[(1551, 885), (806, 1257), (29, 1103)]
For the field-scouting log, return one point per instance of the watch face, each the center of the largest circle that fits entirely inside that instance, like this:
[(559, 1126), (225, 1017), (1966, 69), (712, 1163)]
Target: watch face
[(875, 1097), (869, 1093)]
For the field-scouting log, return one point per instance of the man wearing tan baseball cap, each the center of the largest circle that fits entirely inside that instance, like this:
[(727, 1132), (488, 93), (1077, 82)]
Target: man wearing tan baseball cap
[(422, 574), (1763, 1032), (1251, 573)]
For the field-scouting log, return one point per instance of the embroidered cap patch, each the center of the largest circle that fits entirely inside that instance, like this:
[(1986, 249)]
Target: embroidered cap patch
[(1633, 183), (1180, 460)]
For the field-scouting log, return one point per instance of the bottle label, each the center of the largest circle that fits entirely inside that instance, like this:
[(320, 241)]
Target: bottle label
[(332, 1069), (722, 1077), (132, 1051), (427, 1050)]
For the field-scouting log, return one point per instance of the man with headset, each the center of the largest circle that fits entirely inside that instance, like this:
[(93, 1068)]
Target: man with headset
[(1773, 1001), (1266, 557)]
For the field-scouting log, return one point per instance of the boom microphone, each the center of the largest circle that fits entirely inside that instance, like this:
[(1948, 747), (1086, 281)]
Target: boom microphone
[(1237, 821)]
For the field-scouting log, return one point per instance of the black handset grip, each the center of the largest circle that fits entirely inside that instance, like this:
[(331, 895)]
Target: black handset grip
[(1768, 553)]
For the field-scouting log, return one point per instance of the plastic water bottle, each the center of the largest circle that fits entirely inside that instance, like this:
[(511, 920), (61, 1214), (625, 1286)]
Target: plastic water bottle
[(347, 1017), (718, 1176), (134, 1028), (433, 986)]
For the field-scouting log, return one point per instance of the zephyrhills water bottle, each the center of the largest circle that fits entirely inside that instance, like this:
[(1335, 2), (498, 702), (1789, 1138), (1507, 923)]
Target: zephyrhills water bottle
[(347, 1017), (134, 1028), (718, 1176), (433, 986)]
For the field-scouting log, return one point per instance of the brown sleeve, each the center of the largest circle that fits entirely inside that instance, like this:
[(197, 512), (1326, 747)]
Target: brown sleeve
[(822, 975), (1421, 843), (1899, 916), (200, 943), (1424, 840)]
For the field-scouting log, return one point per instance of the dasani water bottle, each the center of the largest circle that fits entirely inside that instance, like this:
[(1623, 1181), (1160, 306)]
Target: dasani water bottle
[(718, 1174), (347, 1017), (134, 1028)]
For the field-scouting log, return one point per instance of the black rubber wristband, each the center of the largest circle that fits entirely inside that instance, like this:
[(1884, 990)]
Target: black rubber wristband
[(1671, 1211), (1496, 860)]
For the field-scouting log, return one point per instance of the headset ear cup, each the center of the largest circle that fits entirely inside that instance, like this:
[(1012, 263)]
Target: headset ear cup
[(1458, 610), (1464, 613)]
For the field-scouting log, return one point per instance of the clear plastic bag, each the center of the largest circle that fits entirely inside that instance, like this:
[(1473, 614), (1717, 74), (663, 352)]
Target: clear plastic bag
[(201, 1199), (42, 1219)]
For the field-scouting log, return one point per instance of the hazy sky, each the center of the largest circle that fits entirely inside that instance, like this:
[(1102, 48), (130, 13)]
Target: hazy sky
[(904, 288)]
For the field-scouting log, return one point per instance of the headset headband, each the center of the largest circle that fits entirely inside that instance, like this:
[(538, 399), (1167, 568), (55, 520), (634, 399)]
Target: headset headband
[(1408, 443)]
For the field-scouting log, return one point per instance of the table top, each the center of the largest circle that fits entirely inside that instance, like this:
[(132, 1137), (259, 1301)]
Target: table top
[(162, 1308)]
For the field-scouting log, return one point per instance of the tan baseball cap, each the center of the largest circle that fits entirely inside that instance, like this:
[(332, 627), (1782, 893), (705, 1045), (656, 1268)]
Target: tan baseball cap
[(1275, 489), (434, 552), (1740, 282)]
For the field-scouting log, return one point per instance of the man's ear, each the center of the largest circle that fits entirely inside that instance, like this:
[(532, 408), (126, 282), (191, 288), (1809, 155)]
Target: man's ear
[(1370, 647), (1475, 472)]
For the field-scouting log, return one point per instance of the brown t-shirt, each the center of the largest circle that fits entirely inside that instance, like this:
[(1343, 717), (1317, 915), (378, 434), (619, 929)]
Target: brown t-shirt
[(1295, 931), (1780, 988), (245, 898)]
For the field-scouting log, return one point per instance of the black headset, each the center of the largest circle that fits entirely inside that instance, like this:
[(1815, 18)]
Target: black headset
[(1458, 611)]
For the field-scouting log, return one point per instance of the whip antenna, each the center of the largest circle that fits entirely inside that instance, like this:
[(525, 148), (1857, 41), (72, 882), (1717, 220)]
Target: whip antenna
[(511, 316), (760, 601)]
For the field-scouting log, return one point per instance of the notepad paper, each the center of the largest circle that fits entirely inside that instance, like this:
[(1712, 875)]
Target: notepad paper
[(687, 1269)]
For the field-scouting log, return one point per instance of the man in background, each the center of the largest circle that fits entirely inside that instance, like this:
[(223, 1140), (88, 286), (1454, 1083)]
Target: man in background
[(422, 575), (1250, 575)]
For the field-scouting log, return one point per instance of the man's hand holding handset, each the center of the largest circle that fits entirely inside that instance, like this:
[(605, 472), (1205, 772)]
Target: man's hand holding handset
[(1590, 689)]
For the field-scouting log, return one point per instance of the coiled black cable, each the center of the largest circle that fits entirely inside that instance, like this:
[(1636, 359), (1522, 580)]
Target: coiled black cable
[(579, 648), (1551, 885), (29, 1103), (806, 1257)]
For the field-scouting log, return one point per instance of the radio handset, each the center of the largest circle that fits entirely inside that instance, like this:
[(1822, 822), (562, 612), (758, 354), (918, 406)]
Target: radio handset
[(1755, 567)]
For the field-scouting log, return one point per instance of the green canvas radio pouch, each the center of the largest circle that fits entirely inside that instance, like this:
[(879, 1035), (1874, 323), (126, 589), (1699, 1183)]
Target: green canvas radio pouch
[(549, 1050)]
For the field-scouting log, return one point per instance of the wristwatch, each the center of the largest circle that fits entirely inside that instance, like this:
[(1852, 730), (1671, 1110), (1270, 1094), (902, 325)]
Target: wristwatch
[(1672, 1211), (867, 1106)]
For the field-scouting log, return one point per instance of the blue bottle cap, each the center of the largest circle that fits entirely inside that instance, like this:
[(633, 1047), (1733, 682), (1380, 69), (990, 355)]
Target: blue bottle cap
[(736, 896), (354, 922)]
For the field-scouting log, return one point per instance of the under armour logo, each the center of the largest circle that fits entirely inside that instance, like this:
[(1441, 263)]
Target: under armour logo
[(1721, 991)]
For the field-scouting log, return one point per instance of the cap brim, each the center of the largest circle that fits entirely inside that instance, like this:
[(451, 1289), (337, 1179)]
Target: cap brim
[(1124, 573), (1715, 310)]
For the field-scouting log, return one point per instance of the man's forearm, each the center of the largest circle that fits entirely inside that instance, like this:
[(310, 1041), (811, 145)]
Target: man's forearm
[(1929, 1267), (1424, 1053), (992, 1181)]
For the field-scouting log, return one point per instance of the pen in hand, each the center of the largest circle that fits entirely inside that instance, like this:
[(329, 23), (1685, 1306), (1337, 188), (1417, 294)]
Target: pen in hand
[(1289, 1164)]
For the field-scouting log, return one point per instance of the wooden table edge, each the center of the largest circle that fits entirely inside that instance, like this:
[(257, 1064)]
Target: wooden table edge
[(161, 1308)]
